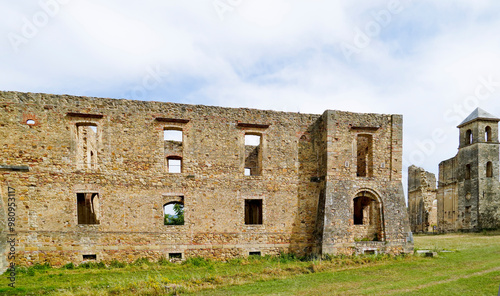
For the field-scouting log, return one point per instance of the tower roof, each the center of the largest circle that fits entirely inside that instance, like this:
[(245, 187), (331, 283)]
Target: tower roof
[(478, 114)]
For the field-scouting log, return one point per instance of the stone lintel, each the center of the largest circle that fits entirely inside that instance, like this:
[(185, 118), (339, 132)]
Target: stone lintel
[(15, 168), (173, 120), (85, 115), (365, 128), (252, 125)]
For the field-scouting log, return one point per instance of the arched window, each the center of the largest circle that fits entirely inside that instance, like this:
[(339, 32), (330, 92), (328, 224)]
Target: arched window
[(368, 217), (487, 134), (361, 210), (489, 169), (468, 137), (173, 213)]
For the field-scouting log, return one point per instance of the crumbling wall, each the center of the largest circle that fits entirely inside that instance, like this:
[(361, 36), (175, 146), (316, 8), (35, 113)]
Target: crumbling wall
[(422, 200), (447, 195), (382, 186), (300, 158)]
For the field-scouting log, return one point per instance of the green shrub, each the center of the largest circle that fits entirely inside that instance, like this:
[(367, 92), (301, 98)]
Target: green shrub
[(86, 265), (163, 261), (198, 262), (141, 261), (39, 266), (117, 264), (69, 266)]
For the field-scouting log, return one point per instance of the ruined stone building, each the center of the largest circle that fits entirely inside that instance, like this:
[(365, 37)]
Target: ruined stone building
[(422, 202), (91, 178), (468, 193)]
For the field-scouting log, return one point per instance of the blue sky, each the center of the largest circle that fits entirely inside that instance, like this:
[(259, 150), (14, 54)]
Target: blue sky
[(432, 61)]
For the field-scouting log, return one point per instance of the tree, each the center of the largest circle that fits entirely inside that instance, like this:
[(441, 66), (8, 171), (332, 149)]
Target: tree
[(178, 218)]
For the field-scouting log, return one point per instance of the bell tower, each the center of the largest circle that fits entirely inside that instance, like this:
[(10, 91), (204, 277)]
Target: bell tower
[(478, 202)]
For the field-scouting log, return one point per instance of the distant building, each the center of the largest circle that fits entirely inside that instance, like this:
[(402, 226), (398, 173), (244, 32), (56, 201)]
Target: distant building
[(422, 202), (468, 193), (469, 189)]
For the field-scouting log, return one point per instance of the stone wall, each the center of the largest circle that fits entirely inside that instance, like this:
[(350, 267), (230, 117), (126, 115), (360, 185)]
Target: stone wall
[(121, 176), (468, 193), (422, 200), (343, 184)]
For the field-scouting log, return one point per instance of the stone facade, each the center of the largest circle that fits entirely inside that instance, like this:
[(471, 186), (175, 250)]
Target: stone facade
[(422, 200), (469, 188), (468, 193), (91, 178)]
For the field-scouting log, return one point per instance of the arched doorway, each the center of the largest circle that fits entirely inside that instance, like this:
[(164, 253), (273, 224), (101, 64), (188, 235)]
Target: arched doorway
[(368, 217)]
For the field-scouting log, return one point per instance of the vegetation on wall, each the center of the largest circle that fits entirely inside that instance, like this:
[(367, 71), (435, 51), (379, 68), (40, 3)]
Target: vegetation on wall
[(178, 218)]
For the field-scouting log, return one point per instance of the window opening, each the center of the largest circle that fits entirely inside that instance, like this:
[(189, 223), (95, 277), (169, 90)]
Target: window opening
[(174, 255), (89, 257), (173, 213), (174, 164), (88, 208), (253, 211), (365, 156), (172, 135), (469, 137), (30, 122), (362, 210), (86, 145), (172, 139), (253, 155), (487, 134), (368, 217), (489, 169), (257, 253)]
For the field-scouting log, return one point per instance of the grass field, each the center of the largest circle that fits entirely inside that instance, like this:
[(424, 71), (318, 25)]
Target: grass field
[(469, 265)]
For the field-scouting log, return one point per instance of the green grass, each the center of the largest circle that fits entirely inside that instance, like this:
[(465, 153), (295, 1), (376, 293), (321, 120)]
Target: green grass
[(471, 268)]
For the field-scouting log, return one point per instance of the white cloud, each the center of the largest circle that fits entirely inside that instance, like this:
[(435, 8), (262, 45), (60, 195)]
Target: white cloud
[(425, 61)]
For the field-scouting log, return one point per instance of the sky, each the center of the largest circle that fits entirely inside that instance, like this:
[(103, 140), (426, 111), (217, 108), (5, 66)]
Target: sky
[(434, 62)]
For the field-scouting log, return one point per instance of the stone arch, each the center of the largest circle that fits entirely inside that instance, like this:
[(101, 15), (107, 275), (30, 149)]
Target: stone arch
[(487, 134), (368, 215), (173, 216), (469, 138)]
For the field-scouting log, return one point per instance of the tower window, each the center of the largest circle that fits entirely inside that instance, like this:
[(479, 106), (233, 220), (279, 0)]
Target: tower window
[(467, 172), (489, 169), (487, 134), (469, 137)]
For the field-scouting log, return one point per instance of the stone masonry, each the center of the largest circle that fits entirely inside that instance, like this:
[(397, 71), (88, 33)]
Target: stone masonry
[(422, 202), (468, 189), (468, 193), (90, 179)]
